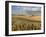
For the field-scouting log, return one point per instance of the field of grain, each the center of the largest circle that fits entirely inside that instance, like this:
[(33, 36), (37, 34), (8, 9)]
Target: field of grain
[(21, 23)]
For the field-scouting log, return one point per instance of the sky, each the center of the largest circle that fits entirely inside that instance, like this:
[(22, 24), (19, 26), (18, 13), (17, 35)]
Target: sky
[(26, 10)]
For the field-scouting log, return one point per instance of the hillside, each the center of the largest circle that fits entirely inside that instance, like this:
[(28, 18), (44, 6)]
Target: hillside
[(33, 18), (20, 23)]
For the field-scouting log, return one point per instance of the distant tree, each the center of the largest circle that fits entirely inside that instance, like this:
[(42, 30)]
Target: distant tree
[(32, 15)]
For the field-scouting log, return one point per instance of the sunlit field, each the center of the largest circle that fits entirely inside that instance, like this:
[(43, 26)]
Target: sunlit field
[(22, 23)]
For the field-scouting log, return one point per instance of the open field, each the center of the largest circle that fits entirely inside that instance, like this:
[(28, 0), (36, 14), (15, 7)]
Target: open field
[(20, 23)]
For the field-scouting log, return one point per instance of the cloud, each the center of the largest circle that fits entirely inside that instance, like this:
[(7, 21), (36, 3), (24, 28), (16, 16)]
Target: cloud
[(26, 10)]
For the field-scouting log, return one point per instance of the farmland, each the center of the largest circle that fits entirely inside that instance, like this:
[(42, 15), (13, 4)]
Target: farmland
[(21, 23)]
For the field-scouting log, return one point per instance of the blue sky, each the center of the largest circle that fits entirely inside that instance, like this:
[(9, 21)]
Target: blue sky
[(26, 10)]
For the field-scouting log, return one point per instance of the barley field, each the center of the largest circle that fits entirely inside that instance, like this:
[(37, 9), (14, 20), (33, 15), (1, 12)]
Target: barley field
[(21, 23)]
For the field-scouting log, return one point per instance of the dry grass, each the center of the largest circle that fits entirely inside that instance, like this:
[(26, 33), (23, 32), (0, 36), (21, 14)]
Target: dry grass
[(26, 23)]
